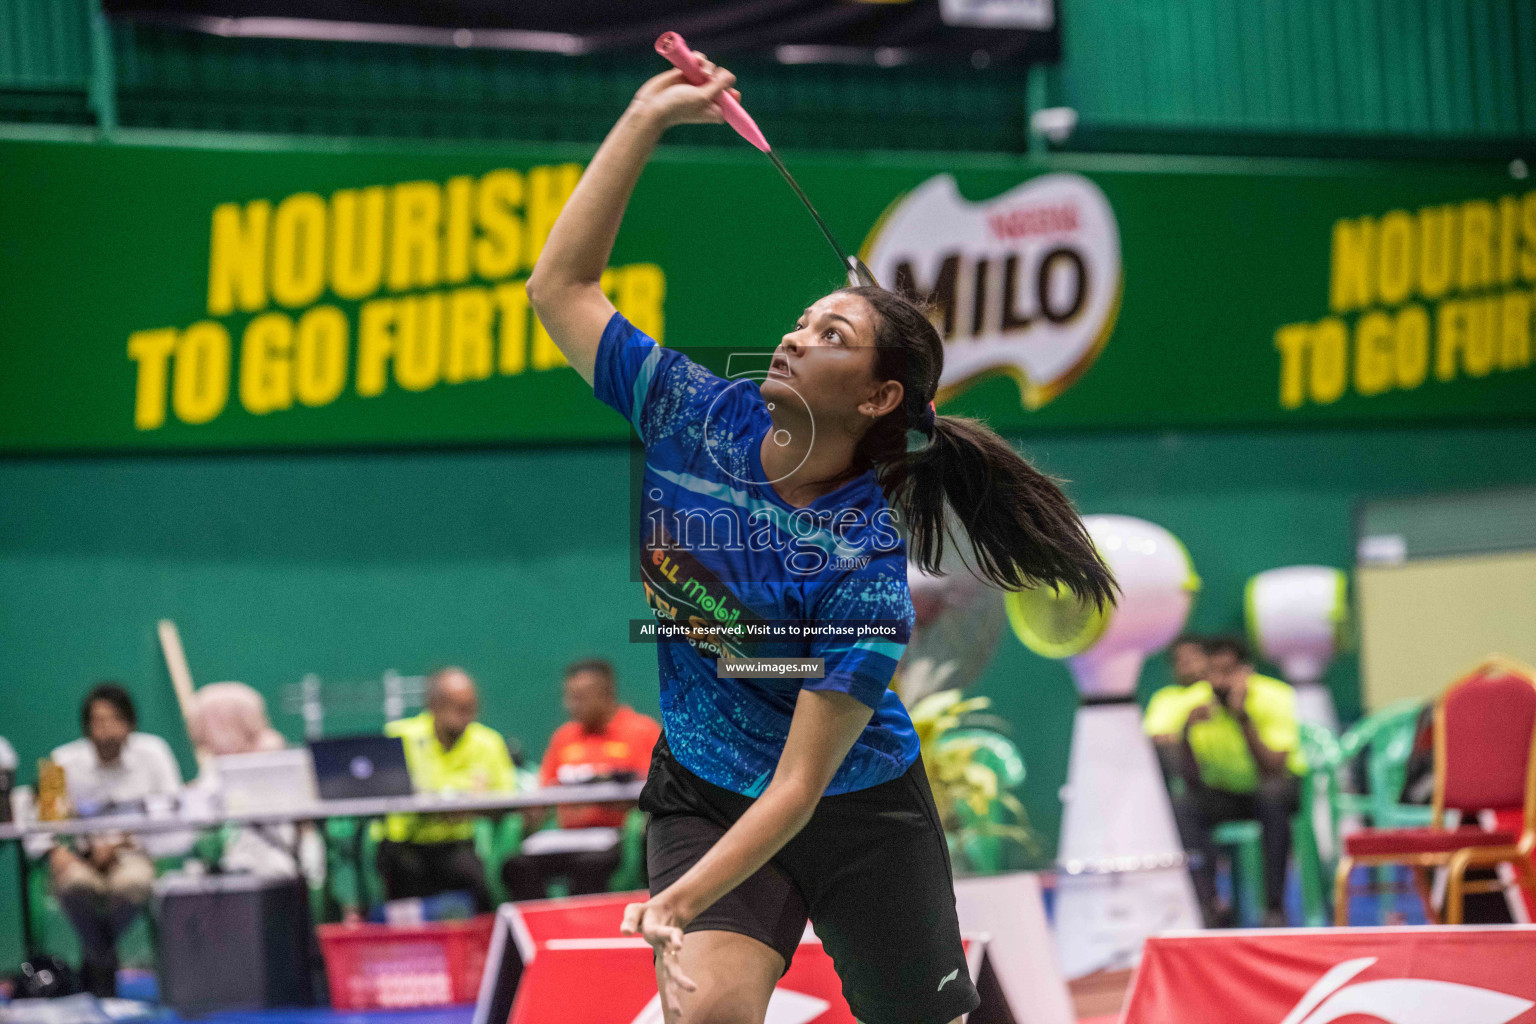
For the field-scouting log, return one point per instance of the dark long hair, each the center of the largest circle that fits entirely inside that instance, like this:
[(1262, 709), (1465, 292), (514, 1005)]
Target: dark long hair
[(113, 694), (1023, 531)]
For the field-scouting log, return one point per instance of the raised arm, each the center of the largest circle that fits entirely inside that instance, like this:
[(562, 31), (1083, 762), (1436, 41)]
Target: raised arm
[(564, 288)]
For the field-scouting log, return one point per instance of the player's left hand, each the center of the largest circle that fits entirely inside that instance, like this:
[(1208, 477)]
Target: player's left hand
[(659, 925)]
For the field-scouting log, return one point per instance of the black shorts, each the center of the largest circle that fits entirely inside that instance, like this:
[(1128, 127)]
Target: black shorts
[(870, 871)]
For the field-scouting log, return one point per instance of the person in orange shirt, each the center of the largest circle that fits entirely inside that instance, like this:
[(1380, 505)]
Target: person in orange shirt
[(604, 741)]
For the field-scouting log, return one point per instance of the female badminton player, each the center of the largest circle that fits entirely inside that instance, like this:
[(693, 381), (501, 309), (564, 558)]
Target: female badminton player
[(777, 800)]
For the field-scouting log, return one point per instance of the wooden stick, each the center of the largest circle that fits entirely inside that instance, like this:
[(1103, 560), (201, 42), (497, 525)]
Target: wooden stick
[(181, 675)]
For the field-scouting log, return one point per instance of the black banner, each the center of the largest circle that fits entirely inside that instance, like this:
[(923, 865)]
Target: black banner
[(997, 34)]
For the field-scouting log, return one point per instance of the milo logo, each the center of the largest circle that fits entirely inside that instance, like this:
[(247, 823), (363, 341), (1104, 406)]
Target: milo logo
[(1027, 283)]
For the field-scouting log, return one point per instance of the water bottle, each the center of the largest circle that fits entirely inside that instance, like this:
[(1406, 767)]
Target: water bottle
[(22, 805)]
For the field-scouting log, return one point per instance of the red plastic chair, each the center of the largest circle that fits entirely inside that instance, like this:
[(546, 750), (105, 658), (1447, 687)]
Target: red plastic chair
[(1485, 759)]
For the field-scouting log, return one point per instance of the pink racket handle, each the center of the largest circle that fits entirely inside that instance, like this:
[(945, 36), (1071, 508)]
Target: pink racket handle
[(671, 46)]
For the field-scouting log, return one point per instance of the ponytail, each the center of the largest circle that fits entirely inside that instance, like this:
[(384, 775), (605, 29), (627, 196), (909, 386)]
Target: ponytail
[(1022, 530)]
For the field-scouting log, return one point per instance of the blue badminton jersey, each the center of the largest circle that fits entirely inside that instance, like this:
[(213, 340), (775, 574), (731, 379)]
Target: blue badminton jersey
[(717, 544)]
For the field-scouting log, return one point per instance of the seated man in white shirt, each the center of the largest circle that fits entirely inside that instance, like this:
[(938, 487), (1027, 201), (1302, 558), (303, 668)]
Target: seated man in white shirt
[(103, 881)]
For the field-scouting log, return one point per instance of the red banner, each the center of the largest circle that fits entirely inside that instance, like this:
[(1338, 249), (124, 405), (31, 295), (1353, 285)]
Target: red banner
[(559, 985), (1426, 975), (577, 969)]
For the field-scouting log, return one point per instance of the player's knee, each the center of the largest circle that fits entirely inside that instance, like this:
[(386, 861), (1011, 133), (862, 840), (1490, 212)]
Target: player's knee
[(720, 1015), (130, 893), (78, 883), (131, 882), (717, 1001)]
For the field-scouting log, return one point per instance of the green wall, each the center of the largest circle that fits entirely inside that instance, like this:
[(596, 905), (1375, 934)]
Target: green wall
[(512, 563)]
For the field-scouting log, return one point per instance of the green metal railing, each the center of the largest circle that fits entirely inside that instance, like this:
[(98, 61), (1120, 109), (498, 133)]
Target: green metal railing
[(1299, 77), (1361, 70)]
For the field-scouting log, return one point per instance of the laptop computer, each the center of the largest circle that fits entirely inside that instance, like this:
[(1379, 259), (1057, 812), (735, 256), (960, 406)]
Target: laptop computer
[(267, 782), (354, 767)]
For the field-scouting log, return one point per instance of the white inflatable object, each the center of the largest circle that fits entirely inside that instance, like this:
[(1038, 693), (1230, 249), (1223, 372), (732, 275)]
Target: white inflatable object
[(1106, 650), (1296, 619), (1120, 864)]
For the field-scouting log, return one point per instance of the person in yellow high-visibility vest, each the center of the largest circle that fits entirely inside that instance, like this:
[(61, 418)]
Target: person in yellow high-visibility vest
[(1232, 739), (448, 751)]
